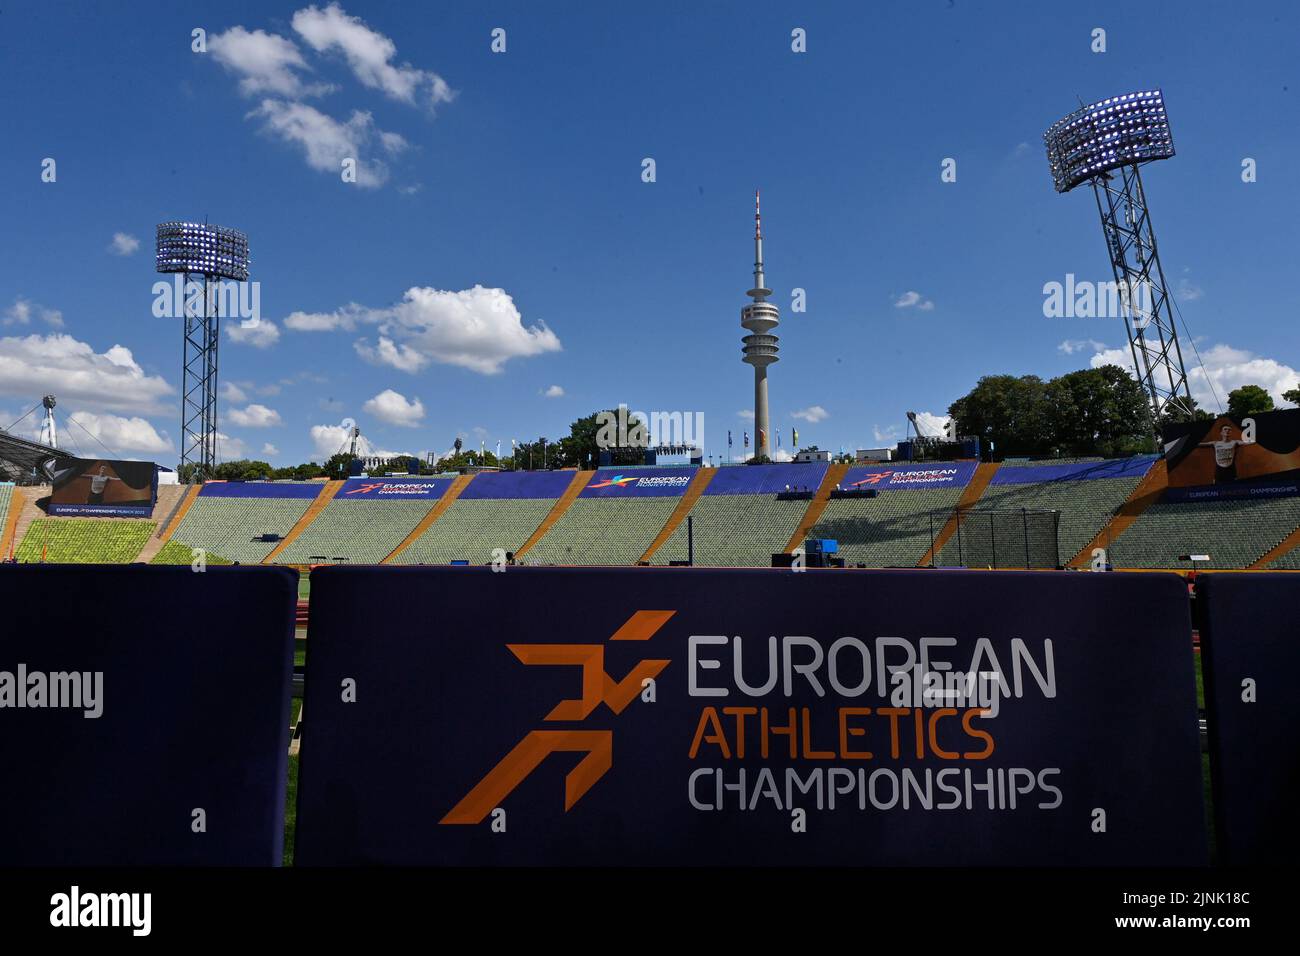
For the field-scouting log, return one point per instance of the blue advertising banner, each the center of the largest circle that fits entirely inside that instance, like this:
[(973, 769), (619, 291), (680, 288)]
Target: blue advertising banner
[(767, 479), (639, 483), (144, 714), (1252, 651), (430, 489), (940, 474), (518, 484), (750, 716), (1073, 471)]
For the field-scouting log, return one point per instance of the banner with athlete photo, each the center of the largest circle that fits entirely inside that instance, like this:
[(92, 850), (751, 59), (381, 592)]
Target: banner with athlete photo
[(1234, 456), (101, 487)]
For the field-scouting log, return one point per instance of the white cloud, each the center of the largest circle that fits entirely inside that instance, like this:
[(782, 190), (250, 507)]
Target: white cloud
[(123, 244), (37, 365), (404, 358), (22, 311), (326, 142), (913, 300), (1070, 346), (479, 329), (122, 435), (746, 413), (1226, 368), (812, 414), (392, 407), (264, 62), (369, 55), (886, 436), (261, 335), (553, 391), (254, 416), (327, 440), (270, 450), (230, 449), (1185, 290), (233, 393)]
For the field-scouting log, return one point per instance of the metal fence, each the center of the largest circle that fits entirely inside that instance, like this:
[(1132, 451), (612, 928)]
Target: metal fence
[(997, 539)]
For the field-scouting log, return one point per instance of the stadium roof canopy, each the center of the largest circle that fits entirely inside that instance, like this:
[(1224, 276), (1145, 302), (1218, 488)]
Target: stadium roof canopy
[(19, 458)]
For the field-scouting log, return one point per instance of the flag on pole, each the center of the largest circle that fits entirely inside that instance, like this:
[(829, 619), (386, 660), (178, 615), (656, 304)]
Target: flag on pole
[(778, 438), (728, 437), (761, 440), (795, 438), (746, 434)]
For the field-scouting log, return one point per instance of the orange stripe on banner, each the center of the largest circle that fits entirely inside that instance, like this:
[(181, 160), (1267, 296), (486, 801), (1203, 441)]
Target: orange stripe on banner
[(642, 626)]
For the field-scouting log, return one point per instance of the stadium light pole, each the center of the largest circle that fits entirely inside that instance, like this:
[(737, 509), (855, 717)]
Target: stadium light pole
[(1105, 144), (206, 253)]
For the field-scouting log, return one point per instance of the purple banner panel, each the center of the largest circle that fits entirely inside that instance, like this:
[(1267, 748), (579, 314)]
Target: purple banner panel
[(766, 479), (518, 484), (1075, 471)]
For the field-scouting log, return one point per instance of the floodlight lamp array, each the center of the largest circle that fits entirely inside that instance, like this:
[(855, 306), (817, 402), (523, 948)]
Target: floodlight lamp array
[(1114, 132), (202, 248)]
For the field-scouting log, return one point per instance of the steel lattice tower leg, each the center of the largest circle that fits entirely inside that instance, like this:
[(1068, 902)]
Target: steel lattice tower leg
[(199, 381), (1144, 296)]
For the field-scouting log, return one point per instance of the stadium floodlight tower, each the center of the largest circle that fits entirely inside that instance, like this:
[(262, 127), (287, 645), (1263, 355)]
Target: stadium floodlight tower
[(759, 318), (1105, 144), (49, 430), (204, 254)]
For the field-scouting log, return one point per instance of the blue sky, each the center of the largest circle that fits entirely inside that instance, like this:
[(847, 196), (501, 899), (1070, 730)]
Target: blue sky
[(522, 171)]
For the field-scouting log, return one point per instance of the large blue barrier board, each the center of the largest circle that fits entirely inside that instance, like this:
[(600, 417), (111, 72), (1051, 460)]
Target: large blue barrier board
[(698, 716), (1250, 640), (144, 714)]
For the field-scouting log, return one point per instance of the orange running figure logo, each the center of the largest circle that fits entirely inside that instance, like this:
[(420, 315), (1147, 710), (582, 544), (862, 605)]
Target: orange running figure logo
[(597, 688)]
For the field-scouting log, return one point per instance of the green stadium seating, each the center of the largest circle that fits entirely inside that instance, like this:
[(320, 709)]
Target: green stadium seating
[(603, 531), (1233, 532), (1085, 507), (6, 496), (364, 531), (472, 528), (173, 552), (741, 531), (892, 529), (228, 526), (84, 540)]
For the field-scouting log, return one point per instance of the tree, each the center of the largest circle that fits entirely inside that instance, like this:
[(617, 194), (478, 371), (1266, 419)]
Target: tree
[(338, 466), (1249, 400), (1098, 411), (1174, 415), (1292, 395), (1012, 413)]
